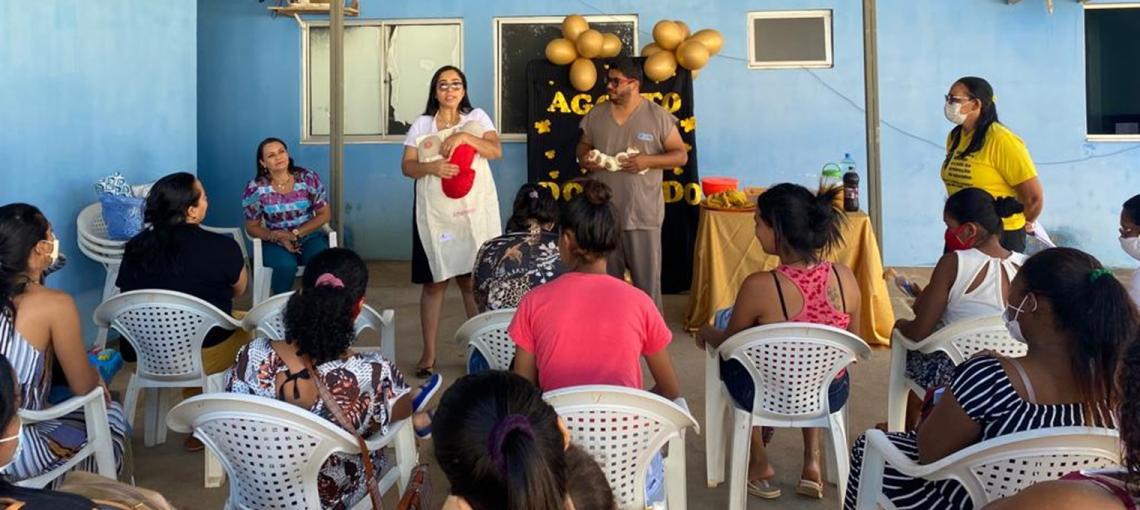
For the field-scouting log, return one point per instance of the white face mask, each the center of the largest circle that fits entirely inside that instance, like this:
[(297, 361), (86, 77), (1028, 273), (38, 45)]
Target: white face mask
[(16, 452), (1131, 246), (54, 250), (953, 112), (1011, 323)]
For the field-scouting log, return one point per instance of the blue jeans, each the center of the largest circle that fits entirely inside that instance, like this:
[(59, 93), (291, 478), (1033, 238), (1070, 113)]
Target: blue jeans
[(285, 264)]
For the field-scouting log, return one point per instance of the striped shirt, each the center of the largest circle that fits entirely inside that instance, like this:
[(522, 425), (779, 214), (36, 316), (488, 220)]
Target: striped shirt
[(284, 211), (985, 392)]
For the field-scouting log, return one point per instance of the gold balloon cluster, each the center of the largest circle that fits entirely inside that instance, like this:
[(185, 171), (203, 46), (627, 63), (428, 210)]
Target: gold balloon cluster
[(673, 45), (580, 43)]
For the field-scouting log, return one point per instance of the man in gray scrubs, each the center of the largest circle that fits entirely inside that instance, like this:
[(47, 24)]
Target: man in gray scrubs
[(629, 121)]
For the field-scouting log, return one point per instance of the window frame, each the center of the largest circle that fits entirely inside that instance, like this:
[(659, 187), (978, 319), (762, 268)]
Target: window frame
[(828, 39), (306, 136), (496, 49), (1084, 19)]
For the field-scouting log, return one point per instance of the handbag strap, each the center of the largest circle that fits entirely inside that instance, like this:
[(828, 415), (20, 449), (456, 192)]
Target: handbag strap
[(345, 423)]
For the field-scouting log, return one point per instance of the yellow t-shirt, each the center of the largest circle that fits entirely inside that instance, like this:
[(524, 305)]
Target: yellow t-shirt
[(1000, 164)]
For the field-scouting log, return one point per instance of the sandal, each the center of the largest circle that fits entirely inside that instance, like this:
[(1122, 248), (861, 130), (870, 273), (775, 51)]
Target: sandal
[(427, 390), (763, 489), (809, 488), (424, 372), (424, 432)]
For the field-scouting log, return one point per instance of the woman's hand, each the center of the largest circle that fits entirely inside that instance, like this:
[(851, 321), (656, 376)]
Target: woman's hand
[(285, 239), (455, 140), (443, 169)]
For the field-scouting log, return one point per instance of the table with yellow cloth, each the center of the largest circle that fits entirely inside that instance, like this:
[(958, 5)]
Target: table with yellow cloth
[(727, 251)]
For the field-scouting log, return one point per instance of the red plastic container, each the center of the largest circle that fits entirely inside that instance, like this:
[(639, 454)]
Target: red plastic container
[(710, 185)]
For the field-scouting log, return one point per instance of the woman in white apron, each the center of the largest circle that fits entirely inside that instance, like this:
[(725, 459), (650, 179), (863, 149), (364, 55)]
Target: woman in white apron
[(456, 207)]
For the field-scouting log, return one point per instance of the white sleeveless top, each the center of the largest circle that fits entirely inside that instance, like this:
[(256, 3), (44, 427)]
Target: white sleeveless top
[(986, 299)]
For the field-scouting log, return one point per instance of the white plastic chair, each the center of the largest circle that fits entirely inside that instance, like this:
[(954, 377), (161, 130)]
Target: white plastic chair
[(272, 451), (268, 319), (166, 329), (262, 274), (992, 469), (99, 444), (487, 333), (959, 341), (624, 428), (791, 365)]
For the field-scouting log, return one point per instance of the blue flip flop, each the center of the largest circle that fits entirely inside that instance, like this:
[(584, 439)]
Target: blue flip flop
[(427, 390)]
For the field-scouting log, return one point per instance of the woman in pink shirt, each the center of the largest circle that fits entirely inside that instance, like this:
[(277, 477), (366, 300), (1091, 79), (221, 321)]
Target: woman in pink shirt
[(586, 327)]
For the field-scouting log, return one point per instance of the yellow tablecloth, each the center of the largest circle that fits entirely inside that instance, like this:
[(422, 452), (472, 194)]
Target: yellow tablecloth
[(727, 251)]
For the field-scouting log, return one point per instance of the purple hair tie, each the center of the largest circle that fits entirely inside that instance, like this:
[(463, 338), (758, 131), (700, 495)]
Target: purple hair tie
[(508, 424), (329, 280)]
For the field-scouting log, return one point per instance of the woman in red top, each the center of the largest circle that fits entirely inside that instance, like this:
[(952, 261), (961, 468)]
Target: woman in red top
[(799, 227)]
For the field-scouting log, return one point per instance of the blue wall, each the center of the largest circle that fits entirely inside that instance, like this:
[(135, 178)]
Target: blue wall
[(90, 88), (761, 126)]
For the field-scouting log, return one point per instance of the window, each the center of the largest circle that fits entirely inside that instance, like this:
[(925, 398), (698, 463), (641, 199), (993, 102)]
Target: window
[(387, 70), (1112, 77), (519, 40), (789, 39)]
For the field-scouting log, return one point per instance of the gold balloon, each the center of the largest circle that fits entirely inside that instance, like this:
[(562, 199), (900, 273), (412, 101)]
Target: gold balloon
[(561, 51), (667, 34), (692, 55), (660, 66), (590, 43), (573, 26), (650, 49), (710, 38), (684, 28), (583, 74), (611, 45)]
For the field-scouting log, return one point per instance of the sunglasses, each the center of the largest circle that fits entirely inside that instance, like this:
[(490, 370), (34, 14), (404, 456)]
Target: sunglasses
[(958, 99), (617, 82)]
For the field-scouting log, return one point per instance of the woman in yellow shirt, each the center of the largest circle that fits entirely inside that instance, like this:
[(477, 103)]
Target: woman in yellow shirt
[(983, 153)]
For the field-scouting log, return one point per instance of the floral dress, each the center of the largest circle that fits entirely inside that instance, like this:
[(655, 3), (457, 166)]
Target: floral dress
[(366, 385), (508, 266)]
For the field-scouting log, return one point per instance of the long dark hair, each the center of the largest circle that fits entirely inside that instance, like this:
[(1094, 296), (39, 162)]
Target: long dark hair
[(805, 223), (156, 247), (262, 172), (9, 393), (499, 444), (590, 217), (981, 90), (1128, 413), (433, 103), (22, 226), (319, 319), (1095, 312), (532, 202), (975, 205)]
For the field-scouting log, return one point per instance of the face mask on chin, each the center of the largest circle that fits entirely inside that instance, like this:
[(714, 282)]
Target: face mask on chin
[(1131, 246)]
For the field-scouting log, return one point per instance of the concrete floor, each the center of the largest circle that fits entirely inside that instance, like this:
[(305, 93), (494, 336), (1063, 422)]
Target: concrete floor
[(178, 474)]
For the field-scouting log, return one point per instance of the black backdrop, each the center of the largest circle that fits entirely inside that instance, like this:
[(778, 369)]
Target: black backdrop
[(553, 113)]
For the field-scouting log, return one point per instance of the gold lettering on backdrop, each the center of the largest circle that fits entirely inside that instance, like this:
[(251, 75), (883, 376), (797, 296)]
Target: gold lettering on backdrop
[(673, 191), (652, 96), (671, 102), (579, 108), (570, 189), (558, 104), (552, 186), (602, 98), (693, 193)]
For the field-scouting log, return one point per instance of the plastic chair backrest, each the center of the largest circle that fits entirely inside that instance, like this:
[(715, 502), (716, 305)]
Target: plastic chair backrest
[(272, 451), (623, 429), (90, 225), (792, 364), (166, 328), (1003, 466), (267, 319), (966, 338), (487, 332)]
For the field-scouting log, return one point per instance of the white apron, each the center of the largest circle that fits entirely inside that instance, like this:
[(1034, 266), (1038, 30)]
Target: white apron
[(452, 230)]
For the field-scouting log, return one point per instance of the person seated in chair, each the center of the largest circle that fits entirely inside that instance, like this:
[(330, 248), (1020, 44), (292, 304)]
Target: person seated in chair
[(40, 328), (969, 282), (1075, 319), (319, 333), (800, 227)]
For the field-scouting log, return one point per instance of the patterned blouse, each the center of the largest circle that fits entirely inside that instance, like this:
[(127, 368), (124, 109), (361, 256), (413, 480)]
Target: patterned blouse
[(508, 266), (284, 211), (365, 384)]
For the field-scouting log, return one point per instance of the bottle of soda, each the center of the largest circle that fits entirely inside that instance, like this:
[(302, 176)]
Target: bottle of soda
[(850, 184)]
